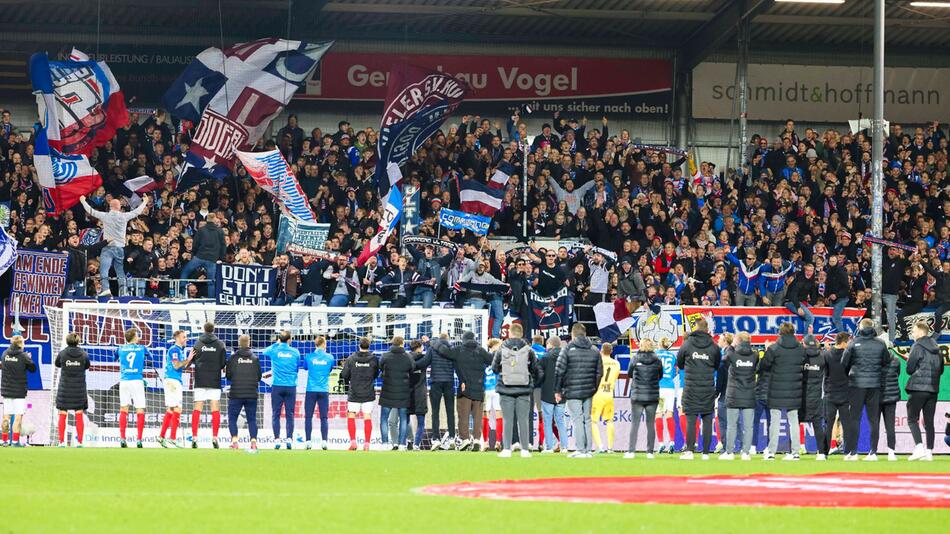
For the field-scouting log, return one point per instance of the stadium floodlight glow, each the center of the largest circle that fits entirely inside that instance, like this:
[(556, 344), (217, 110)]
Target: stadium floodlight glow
[(812, 1), (930, 4)]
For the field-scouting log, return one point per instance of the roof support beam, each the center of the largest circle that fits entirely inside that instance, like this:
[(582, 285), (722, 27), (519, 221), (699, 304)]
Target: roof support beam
[(719, 30)]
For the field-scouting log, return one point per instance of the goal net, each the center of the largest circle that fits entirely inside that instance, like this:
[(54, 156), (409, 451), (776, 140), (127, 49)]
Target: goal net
[(101, 328)]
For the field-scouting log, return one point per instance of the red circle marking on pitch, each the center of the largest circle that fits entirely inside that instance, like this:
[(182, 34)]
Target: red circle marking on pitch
[(858, 490)]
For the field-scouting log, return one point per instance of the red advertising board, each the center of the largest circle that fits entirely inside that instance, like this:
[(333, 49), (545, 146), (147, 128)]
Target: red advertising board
[(573, 85)]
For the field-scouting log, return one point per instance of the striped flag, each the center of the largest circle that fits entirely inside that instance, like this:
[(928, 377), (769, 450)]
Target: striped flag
[(503, 173), (273, 174), (478, 198), (613, 319), (387, 224)]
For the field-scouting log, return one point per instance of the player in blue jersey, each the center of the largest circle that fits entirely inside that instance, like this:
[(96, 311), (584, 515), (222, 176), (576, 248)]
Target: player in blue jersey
[(319, 363), (670, 393), (131, 358), (284, 362), (175, 361)]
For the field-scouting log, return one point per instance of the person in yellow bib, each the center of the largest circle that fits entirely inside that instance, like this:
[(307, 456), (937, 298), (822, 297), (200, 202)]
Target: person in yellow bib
[(602, 406)]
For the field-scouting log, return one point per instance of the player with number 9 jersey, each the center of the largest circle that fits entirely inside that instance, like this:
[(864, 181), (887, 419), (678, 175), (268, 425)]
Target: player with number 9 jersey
[(131, 358)]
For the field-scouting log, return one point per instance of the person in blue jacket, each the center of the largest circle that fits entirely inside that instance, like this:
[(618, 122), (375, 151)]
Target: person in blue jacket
[(319, 364), (749, 274), (284, 362), (772, 278)]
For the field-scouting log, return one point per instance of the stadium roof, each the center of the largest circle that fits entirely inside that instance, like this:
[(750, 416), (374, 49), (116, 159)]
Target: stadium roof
[(696, 28)]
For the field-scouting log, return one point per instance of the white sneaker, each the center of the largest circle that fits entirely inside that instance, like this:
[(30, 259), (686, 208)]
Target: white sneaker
[(515, 447), (746, 457), (929, 457), (402, 447), (705, 456), (872, 457), (323, 445), (891, 456), (505, 453), (649, 456), (718, 448), (577, 454), (630, 456), (587, 455), (727, 456), (436, 445), (820, 457), (687, 455), (851, 458), (919, 453), (62, 445), (525, 453), (790, 457), (752, 450), (767, 455), (547, 451)]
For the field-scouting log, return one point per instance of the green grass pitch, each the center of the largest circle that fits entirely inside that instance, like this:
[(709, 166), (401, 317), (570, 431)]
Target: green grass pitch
[(113, 490)]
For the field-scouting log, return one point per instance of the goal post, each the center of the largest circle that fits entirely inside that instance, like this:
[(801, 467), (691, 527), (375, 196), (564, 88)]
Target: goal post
[(101, 328)]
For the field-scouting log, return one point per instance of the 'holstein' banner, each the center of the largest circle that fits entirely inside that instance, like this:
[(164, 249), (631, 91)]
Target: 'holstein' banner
[(246, 285), (39, 279), (301, 237), (762, 323), (551, 315)]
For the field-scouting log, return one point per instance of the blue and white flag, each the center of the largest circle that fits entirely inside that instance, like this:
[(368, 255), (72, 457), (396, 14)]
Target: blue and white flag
[(499, 180), (7, 251), (273, 174), (89, 236), (410, 210), (233, 95), (387, 224), (302, 237), (458, 220), (417, 103)]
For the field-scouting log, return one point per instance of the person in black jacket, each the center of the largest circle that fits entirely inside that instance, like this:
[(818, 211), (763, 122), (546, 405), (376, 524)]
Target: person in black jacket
[(395, 368), (578, 373), (442, 389), (801, 293), (644, 373), (865, 360), (835, 389), (761, 406), (71, 393), (244, 373), (553, 415), (890, 395), (699, 357), (419, 394), (741, 364), (470, 363), (15, 365), (721, 419), (811, 411), (517, 370), (784, 362), (893, 269), (359, 374), (209, 250), (924, 367), (209, 358), (838, 290)]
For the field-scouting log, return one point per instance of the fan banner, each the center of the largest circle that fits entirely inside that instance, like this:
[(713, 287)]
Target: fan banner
[(552, 315), (302, 237), (245, 285), (39, 279), (762, 322), (459, 220)]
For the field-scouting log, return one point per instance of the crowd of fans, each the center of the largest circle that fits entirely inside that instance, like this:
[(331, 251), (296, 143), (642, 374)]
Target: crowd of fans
[(785, 228)]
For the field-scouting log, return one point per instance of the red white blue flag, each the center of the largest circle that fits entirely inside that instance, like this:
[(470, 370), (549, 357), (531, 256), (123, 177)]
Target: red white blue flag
[(64, 178), (80, 103), (271, 171), (233, 95)]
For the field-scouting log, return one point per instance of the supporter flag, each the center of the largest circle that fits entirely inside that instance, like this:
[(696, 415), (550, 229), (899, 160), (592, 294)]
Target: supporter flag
[(613, 319), (478, 198), (7, 251), (89, 236), (387, 224), (417, 103), (233, 95), (499, 180), (80, 103), (273, 174), (139, 186), (64, 178)]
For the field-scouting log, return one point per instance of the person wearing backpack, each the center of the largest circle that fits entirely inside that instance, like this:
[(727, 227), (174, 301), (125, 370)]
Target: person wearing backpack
[(578, 372), (517, 370), (646, 371)]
